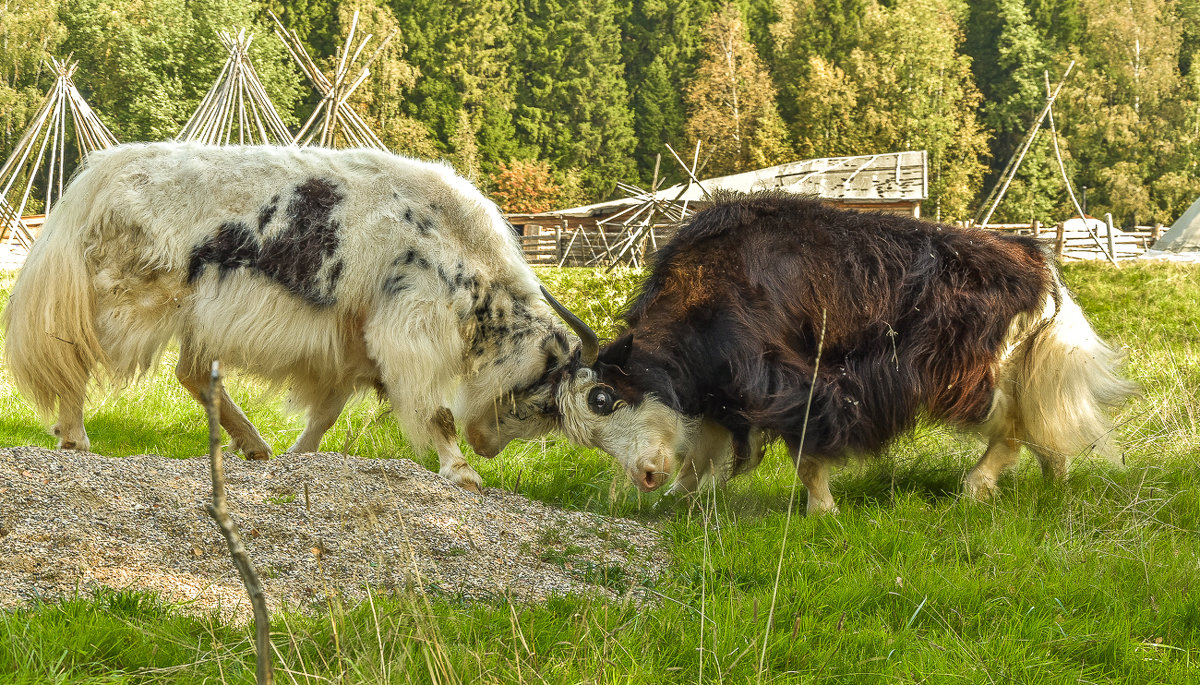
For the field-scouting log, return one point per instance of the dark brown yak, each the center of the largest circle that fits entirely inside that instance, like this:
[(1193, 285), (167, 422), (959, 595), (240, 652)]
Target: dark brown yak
[(893, 317)]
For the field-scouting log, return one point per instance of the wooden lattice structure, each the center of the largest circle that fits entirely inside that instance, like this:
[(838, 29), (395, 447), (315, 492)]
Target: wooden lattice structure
[(629, 230), (63, 110), (333, 116), (237, 108)]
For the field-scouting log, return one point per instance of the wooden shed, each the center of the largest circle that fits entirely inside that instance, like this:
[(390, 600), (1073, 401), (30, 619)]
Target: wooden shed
[(891, 182)]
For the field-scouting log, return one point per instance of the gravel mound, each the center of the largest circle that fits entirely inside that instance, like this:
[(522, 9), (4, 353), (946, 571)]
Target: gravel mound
[(316, 525)]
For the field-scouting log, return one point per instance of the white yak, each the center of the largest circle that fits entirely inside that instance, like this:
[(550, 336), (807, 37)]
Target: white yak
[(325, 271)]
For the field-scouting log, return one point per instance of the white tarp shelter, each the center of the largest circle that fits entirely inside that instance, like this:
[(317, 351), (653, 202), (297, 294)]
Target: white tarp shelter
[(1181, 242)]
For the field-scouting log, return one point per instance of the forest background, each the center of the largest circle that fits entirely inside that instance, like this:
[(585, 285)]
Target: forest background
[(548, 103)]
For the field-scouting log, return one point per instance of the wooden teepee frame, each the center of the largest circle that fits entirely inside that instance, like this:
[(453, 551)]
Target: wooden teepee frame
[(333, 115), (48, 132), (636, 224), (237, 108)]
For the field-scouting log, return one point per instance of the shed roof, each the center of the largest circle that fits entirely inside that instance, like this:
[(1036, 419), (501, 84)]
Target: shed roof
[(885, 177)]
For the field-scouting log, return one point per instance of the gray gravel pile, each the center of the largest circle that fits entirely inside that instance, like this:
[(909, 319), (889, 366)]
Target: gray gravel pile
[(315, 525)]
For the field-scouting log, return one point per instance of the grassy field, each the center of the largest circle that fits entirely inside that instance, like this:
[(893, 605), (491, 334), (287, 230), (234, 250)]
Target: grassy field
[(1093, 580)]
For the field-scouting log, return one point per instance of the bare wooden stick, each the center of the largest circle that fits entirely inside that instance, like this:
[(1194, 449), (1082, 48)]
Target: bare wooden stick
[(219, 510)]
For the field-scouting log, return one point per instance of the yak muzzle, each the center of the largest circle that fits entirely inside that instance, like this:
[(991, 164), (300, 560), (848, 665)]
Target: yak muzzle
[(651, 474), (483, 445)]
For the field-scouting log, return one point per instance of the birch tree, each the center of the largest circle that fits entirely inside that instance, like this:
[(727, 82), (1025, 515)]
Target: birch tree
[(731, 102)]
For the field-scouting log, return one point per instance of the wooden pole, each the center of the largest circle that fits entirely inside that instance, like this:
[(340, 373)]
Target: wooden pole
[(1062, 167), (1155, 232), (1059, 239), (1111, 238), (1037, 228), (219, 510), (1014, 163)]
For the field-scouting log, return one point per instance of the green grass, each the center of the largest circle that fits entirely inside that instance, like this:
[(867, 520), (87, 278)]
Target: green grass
[(1093, 580)]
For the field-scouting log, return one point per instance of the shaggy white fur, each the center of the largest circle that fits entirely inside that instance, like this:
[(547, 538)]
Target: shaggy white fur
[(326, 271)]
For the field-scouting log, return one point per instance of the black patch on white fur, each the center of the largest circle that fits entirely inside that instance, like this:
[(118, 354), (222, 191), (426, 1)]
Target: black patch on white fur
[(298, 257), (395, 284), (266, 213), (233, 247), (400, 275)]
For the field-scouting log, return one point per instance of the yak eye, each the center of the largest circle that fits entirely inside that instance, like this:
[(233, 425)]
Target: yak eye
[(602, 401)]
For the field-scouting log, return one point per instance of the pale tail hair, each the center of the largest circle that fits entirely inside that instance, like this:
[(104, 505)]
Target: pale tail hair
[(51, 341), (1066, 385)]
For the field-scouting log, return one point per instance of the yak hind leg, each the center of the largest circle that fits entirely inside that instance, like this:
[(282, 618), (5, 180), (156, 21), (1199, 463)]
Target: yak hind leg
[(1054, 464), (242, 433), (814, 473), (1002, 452), (321, 417), (69, 429), (452, 465)]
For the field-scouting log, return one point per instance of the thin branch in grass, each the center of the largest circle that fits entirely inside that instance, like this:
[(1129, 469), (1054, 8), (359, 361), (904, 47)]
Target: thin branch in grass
[(219, 510), (762, 657)]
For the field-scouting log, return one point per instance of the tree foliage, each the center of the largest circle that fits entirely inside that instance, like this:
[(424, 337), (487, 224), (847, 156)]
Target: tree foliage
[(574, 103), (30, 33), (905, 87), (147, 64), (525, 186), (378, 100), (732, 101), (661, 45), (593, 90), (1132, 114)]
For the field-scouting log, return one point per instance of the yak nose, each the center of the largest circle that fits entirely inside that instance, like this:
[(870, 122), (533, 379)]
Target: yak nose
[(651, 474), (482, 446)]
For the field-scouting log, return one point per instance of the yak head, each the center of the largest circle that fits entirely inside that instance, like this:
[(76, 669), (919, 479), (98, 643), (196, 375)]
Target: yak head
[(528, 407), (600, 404)]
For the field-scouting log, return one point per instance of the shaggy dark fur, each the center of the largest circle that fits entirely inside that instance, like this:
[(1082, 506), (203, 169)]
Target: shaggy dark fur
[(727, 325)]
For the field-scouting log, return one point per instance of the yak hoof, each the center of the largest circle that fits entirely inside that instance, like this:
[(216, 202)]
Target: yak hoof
[(979, 487), (822, 510), (80, 444), (259, 452), (464, 477)]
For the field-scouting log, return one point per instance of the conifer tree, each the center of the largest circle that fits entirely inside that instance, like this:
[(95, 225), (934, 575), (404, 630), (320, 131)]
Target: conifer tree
[(1009, 60), (464, 51), (573, 103), (662, 49), (732, 101)]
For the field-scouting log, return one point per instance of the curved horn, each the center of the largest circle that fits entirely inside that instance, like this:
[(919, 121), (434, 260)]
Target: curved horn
[(589, 342)]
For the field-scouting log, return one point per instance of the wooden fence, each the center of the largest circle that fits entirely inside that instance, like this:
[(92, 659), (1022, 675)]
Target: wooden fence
[(1080, 244)]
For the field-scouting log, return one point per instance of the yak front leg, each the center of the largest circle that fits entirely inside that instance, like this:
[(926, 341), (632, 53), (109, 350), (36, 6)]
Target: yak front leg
[(243, 435), (814, 473), (452, 465)]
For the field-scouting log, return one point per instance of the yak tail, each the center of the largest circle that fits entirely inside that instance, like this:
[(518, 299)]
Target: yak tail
[(51, 344), (1068, 385)]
